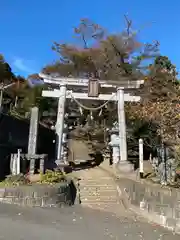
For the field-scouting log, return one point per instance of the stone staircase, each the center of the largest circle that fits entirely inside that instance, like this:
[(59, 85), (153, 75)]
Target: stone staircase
[(98, 190), (97, 187)]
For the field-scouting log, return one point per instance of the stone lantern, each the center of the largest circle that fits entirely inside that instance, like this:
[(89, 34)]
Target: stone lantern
[(114, 143)]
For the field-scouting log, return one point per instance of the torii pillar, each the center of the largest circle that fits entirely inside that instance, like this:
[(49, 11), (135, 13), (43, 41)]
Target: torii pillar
[(124, 164)]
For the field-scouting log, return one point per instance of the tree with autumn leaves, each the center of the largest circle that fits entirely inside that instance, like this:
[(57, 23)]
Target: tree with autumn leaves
[(97, 54), (8, 78), (102, 55), (20, 96), (160, 101), (122, 57)]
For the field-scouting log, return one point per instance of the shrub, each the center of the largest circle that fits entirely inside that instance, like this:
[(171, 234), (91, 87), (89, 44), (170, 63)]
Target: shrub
[(15, 180), (51, 177)]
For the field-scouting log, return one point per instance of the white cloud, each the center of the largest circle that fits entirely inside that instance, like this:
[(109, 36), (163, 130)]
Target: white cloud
[(23, 65)]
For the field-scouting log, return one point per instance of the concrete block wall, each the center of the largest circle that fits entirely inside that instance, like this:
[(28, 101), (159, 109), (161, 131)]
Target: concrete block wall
[(39, 195), (160, 205)]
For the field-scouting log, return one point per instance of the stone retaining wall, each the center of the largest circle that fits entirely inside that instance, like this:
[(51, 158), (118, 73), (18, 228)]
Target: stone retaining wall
[(155, 203), (39, 195)]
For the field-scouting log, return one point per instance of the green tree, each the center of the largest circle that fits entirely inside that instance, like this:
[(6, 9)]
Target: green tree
[(6, 75), (161, 81), (160, 101)]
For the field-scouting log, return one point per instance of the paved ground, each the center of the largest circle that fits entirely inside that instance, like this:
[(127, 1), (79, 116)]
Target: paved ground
[(75, 223)]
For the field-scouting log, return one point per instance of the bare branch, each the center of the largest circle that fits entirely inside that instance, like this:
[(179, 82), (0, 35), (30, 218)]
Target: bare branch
[(128, 24)]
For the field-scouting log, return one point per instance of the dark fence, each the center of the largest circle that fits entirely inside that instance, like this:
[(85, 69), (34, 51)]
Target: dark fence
[(14, 134)]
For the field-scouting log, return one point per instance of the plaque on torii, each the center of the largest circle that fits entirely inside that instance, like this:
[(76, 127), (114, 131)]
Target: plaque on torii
[(93, 87)]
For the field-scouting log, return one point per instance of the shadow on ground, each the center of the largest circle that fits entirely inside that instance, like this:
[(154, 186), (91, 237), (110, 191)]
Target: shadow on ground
[(73, 191)]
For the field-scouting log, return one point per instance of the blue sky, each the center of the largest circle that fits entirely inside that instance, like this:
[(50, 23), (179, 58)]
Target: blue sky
[(28, 28)]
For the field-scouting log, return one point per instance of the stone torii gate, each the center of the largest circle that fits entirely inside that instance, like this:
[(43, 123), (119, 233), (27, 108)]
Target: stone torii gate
[(117, 93)]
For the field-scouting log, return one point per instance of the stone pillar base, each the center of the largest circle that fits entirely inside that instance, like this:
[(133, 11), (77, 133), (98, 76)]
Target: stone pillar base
[(61, 163), (125, 167)]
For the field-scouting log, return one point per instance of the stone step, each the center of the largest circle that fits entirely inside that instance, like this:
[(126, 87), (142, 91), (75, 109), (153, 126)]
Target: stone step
[(97, 195), (97, 189), (101, 193), (92, 177), (98, 200), (105, 206), (107, 191), (98, 184), (96, 181)]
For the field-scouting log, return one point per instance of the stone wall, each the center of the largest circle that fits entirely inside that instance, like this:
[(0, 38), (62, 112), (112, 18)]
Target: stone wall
[(40, 195), (161, 205)]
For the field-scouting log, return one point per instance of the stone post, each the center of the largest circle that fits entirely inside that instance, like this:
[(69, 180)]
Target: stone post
[(163, 165), (13, 164), (18, 164), (141, 159), (31, 165), (60, 123), (42, 164), (33, 133)]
